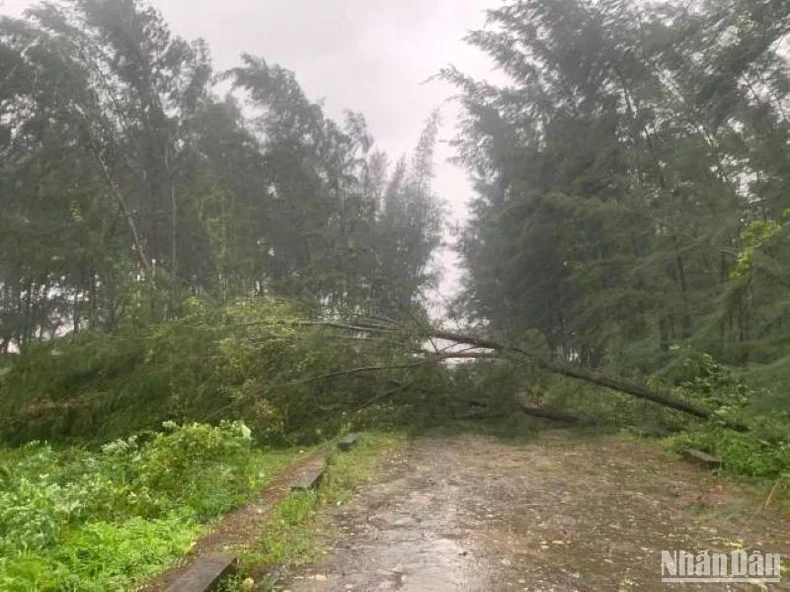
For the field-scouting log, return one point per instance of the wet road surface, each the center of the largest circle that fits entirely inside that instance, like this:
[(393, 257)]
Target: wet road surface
[(558, 514)]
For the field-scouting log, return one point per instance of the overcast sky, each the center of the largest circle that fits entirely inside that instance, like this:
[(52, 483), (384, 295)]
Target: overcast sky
[(370, 56)]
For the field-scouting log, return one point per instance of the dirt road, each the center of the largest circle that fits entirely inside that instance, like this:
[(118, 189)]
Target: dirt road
[(557, 514)]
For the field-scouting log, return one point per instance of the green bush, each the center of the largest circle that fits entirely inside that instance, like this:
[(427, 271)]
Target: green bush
[(73, 519), (763, 451), (250, 360), (741, 454)]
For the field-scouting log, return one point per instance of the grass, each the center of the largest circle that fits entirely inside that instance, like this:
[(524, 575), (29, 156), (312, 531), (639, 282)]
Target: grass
[(297, 532), (347, 471), (760, 496), (73, 519), (292, 536)]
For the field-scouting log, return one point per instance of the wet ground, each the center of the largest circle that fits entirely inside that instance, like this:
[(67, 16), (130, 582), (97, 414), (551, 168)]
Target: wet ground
[(558, 514)]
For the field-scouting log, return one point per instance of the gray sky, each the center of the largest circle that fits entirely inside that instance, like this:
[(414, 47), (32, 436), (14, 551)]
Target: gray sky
[(370, 56)]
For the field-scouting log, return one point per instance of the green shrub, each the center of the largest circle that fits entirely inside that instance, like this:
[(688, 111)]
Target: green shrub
[(250, 361), (73, 519), (763, 451), (741, 454)]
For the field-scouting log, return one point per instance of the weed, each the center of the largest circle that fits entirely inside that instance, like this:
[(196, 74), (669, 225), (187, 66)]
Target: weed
[(71, 519), (347, 471)]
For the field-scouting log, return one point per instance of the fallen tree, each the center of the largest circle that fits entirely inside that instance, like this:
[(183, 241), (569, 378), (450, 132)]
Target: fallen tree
[(662, 398), (636, 390), (550, 413)]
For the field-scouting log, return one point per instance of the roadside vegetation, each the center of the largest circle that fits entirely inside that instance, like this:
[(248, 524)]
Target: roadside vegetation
[(107, 519)]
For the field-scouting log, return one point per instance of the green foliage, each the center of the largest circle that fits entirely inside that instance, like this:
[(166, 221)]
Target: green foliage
[(741, 454), (720, 388), (298, 508), (177, 464), (72, 519), (762, 452), (257, 361), (483, 397), (128, 182), (756, 236), (101, 556), (632, 198), (630, 178)]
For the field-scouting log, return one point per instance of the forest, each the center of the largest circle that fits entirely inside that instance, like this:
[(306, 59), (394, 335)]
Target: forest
[(200, 265)]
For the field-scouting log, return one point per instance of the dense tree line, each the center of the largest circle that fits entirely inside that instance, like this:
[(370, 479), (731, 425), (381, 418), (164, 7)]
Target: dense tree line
[(250, 258), (633, 181), (127, 183)]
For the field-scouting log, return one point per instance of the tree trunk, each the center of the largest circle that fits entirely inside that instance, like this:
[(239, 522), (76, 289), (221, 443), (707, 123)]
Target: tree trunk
[(661, 398), (550, 413)]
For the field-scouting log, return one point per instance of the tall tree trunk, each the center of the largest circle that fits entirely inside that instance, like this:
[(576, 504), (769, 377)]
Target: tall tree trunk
[(662, 398), (137, 240)]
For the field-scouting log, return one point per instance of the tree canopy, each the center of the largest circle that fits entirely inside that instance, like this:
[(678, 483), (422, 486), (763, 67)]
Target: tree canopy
[(128, 184), (631, 180)]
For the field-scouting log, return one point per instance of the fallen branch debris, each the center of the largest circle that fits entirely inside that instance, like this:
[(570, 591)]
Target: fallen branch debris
[(658, 397), (551, 414)]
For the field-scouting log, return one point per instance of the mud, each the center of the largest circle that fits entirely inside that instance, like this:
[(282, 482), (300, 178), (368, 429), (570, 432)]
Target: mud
[(555, 515)]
